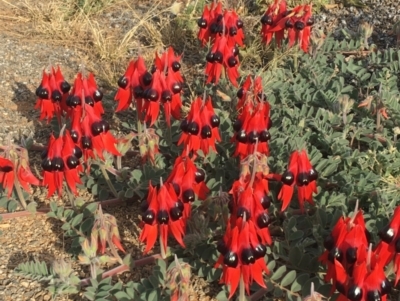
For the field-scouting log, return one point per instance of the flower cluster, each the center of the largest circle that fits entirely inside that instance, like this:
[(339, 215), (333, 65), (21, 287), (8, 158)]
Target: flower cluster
[(253, 123), (302, 174), (200, 128), (224, 29), (161, 85), (85, 91), (297, 22), (52, 94), (389, 246), (243, 247), (356, 271), (61, 161), (168, 206), (15, 170)]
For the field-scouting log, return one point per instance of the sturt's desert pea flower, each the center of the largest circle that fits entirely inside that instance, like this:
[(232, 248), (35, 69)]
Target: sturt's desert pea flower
[(52, 94)]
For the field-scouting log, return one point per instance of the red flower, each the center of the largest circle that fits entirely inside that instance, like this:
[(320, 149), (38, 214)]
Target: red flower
[(298, 23), (188, 181), (96, 136), (367, 281), (152, 97), (72, 167), (162, 214), (132, 84), (170, 64), (222, 56), (242, 256), (210, 23), (215, 22), (52, 93), (252, 199), (252, 129), (15, 170), (389, 246), (200, 128), (25, 176), (7, 175), (61, 160), (347, 244), (224, 29), (275, 12), (300, 173), (164, 85), (85, 89)]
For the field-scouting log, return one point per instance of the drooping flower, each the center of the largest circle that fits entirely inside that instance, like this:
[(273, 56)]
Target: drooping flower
[(242, 256), (85, 90), (71, 155), (61, 161), (15, 170), (298, 23), (367, 280), (222, 57), (96, 135), (299, 173), (347, 243), (52, 93), (389, 246), (162, 86), (162, 214), (53, 166), (200, 128), (224, 30), (253, 122), (274, 13), (252, 128), (188, 182), (132, 84), (215, 22)]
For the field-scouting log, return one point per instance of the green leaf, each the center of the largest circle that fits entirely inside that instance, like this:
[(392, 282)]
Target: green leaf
[(299, 282), (66, 226), (87, 225), (90, 209), (289, 278), (222, 296), (31, 207), (122, 296), (77, 220), (53, 206), (296, 235), (278, 292), (278, 273)]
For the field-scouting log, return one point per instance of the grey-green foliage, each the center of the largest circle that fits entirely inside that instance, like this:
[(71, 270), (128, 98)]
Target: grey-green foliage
[(59, 280), (77, 223), (314, 105)]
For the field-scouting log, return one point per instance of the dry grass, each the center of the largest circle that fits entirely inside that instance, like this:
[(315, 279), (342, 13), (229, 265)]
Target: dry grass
[(105, 34)]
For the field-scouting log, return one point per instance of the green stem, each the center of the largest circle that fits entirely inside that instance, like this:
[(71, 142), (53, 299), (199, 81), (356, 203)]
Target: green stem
[(169, 135), (17, 187), (70, 197), (242, 296), (139, 124), (119, 162), (108, 181), (163, 253)]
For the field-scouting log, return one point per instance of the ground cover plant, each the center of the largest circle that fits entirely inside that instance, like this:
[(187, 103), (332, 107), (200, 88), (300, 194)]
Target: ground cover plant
[(279, 182)]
